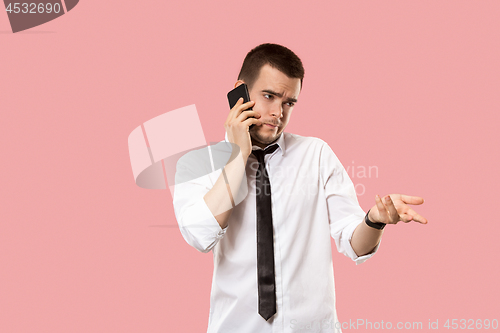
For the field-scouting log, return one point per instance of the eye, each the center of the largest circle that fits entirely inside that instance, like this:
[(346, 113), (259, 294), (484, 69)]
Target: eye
[(268, 96), (290, 104)]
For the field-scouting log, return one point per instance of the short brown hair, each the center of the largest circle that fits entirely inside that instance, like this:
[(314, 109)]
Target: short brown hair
[(277, 56)]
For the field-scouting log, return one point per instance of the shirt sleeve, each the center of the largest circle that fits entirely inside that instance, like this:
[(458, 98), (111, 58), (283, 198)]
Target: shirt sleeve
[(196, 222), (344, 212)]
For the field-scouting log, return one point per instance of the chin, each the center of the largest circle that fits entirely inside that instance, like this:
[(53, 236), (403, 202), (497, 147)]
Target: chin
[(264, 139)]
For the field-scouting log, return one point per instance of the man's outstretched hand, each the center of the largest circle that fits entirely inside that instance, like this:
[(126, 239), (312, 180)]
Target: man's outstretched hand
[(394, 208)]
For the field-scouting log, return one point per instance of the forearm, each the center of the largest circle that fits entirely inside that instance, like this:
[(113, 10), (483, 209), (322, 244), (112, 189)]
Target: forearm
[(365, 239), (221, 198)]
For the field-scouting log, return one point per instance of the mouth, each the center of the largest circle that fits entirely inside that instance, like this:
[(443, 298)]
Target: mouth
[(271, 125)]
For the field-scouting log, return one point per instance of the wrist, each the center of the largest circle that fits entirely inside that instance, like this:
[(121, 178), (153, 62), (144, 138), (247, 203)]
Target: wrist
[(375, 225)]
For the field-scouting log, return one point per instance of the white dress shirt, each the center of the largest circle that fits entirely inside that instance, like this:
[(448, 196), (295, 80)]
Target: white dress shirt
[(313, 198)]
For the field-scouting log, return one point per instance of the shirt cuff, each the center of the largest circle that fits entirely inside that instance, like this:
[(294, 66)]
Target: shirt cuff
[(200, 228)]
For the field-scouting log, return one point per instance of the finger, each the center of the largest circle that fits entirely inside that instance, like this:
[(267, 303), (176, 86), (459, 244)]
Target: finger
[(406, 218), (247, 105), (393, 213), (233, 113), (382, 210), (238, 103), (417, 217), (412, 200), (240, 106), (247, 114), (252, 121)]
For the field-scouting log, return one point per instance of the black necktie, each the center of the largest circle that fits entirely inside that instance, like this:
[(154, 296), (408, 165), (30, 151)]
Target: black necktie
[(265, 248)]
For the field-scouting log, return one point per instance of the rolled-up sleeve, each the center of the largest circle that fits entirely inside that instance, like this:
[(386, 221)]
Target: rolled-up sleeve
[(344, 212), (196, 222)]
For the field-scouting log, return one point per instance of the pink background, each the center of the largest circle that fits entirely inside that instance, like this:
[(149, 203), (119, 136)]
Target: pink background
[(410, 87)]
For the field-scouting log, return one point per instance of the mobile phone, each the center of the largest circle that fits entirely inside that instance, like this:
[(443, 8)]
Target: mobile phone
[(234, 95)]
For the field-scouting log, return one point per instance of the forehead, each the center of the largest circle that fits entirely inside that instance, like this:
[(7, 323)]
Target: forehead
[(272, 79)]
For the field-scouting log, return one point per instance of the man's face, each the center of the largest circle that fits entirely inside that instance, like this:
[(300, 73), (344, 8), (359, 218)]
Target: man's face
[(275, 95)]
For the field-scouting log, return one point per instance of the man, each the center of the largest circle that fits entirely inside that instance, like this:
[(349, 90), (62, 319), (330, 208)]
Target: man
[(273, 269)]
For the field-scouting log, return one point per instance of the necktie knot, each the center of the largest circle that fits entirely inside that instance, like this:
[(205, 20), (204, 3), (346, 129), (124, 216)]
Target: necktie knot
[(261, 153)]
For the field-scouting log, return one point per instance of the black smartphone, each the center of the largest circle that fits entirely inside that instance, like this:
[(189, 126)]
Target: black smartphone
[(234, 95)]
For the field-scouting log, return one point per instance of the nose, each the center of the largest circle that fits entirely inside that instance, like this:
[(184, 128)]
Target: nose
[(277, 110)]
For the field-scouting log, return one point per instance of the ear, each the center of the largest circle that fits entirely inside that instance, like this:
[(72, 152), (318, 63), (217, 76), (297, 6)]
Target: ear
[(238, 83)]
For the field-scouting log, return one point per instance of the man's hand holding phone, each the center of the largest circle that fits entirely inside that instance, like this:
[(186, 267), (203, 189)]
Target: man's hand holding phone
[(227, 191), (237, 125)]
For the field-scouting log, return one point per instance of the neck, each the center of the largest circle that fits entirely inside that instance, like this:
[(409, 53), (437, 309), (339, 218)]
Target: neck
[(260, 144)]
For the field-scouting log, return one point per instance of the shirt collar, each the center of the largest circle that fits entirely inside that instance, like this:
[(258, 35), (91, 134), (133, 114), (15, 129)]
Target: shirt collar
[(280, 142)]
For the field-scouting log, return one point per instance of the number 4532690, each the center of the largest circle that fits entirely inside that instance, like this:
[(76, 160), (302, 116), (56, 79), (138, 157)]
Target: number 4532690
[(33, 8)]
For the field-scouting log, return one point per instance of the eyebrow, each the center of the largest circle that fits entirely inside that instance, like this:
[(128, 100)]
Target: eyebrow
[(293, 100)]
